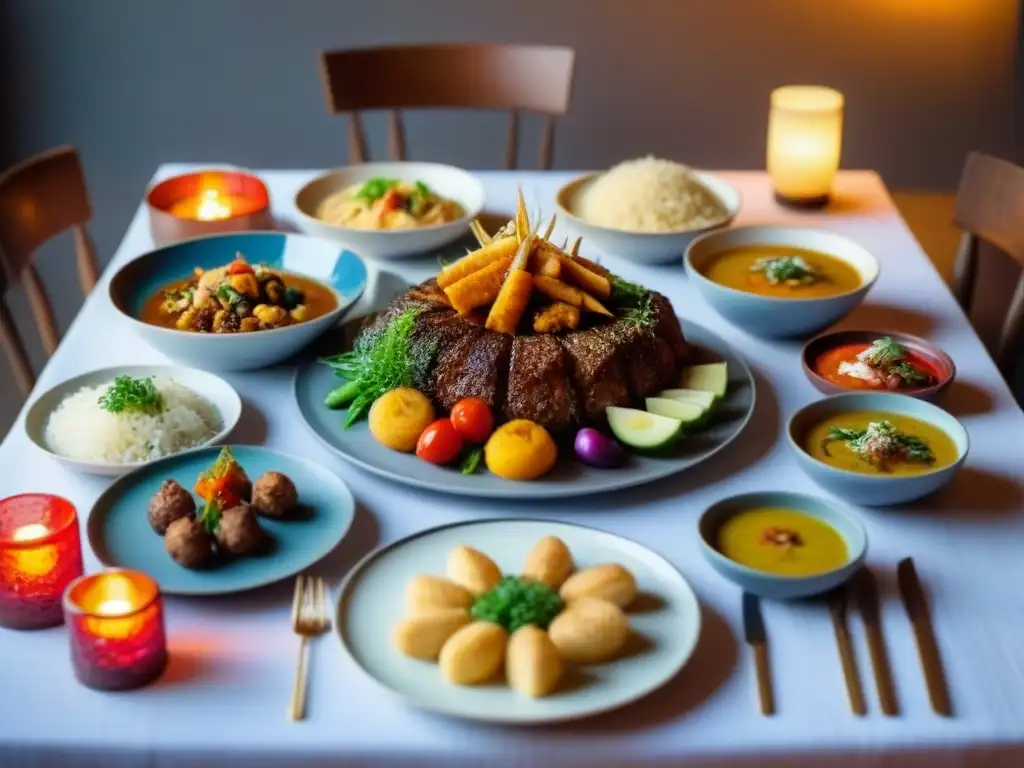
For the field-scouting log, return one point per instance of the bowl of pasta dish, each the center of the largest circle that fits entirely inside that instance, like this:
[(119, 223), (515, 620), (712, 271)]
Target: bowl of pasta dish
[(389, 210)]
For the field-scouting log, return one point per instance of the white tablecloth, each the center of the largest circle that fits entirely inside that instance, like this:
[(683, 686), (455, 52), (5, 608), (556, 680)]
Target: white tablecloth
[(224, 697)]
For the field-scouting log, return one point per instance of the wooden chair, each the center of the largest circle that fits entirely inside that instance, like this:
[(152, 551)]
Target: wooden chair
[(40, 198), (506, 77)]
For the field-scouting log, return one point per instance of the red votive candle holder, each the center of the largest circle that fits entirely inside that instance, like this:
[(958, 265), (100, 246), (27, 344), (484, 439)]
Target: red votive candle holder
[(40, 554), (115, 623), (207, 203)]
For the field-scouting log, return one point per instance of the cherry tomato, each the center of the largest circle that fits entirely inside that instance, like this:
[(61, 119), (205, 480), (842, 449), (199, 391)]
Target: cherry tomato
[(440, 442), (239, 267), (473, 418)]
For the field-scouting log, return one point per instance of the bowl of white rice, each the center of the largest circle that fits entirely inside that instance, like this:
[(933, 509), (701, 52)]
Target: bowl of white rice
[(114, 420), (647, 210)]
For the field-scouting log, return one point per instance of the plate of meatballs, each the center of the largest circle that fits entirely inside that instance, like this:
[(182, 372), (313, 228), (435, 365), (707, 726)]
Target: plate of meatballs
[(220, 520)]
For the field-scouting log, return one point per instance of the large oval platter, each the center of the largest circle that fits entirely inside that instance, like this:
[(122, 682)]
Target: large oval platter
[(120, 535), (665, 631), (570, 477)]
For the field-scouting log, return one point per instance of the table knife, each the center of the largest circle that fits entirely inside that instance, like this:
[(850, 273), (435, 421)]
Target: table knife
[(837, 608), (917, 610), (753, 630), (866, 591)]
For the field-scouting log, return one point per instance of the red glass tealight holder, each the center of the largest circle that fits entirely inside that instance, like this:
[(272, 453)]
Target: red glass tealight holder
[(40, 554), (207, 203), (115, 623)]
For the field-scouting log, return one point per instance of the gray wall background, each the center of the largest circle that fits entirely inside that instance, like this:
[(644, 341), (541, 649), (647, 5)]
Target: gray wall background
[(134, 83)]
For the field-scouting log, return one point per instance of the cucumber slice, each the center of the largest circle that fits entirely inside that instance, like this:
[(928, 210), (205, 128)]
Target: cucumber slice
[(711, 377), (699, 397), (691, 414), (642, 430)]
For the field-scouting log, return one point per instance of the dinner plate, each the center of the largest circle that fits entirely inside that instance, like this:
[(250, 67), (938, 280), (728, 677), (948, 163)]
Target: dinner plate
[(570, 477), (665, 622), (121, 536), (213, 388)]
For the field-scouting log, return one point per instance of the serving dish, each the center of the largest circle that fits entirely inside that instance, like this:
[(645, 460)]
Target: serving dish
[(337, 269), (120, 534), (371, 603), (644, 247), (940, 365), (773, 316), (448, 181), (214, 389), (876, 489), (775, 586), (313, 381)]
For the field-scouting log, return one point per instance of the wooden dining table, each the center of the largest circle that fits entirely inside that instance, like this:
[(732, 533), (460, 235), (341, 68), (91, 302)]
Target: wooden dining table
[(224, 696)]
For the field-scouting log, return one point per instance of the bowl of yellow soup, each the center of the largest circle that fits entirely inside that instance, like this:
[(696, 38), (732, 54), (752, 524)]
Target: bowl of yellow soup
[(875, 448), (780, 281), (782, 545)]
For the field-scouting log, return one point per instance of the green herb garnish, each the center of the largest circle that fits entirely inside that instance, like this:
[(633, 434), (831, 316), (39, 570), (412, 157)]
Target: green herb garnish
[(640, 316), (209, 516), (881, 443), (627, 294), (229, 294), (375, 188), (471, 460), (136, 395), (792, 270), (515, 602), (418, 198), (381, 361), (889, 357)]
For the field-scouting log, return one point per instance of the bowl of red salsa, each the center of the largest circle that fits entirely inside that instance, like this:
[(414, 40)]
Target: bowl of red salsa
[(879, 361)]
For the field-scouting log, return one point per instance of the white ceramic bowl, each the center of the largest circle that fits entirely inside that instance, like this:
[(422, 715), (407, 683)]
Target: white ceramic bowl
[(213, 388), (643, 247), (336, 268), (779, 317), (446, 180)]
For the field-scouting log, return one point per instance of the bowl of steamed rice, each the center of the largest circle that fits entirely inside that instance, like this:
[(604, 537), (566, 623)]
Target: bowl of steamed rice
[(647, 210), (114, 420)]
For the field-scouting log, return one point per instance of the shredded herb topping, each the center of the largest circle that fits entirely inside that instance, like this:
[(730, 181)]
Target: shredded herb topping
[(881, 443), (634, 303), (133, 395), (381, 360), (889, 357), (792, 270), (375, 188), (516, 602)]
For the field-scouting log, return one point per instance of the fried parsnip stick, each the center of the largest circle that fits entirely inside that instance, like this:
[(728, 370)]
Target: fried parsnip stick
[(569, 294), (467, 265), (479, 288)]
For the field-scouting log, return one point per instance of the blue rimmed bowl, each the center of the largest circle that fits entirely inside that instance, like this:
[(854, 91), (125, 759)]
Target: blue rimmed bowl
[(771, 585), (332, 265), (774, 316), (875, 490)]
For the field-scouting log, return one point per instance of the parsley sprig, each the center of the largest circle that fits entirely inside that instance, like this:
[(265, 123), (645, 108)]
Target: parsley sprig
[(889, 357), (515, 602), (881, 442), (793, 270), (132, 395)]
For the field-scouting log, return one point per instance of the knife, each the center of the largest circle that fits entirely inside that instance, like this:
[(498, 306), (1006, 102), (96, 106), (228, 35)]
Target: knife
[(917, 610), (753, 629), (837, 608), (866, 590)]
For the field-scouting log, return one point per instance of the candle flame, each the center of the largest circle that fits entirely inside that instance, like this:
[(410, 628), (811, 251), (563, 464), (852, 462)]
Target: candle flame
[(211, 207), (30, 532)]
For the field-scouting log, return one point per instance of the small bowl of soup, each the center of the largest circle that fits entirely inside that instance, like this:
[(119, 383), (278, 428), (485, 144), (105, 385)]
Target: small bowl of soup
[(237, 301), (782, 545), (876, 449), (780, 281), (877, 361)]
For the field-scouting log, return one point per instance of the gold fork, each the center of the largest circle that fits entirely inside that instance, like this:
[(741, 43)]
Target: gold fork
[(309, 618)]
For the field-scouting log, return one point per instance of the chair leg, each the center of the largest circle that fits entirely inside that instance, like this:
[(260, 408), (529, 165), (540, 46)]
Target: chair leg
[(15, 351), (1009, 336)]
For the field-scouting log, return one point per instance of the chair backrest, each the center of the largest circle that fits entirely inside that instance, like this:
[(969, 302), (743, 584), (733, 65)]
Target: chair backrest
[(40, 198), (990, 211), (527, 78)]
